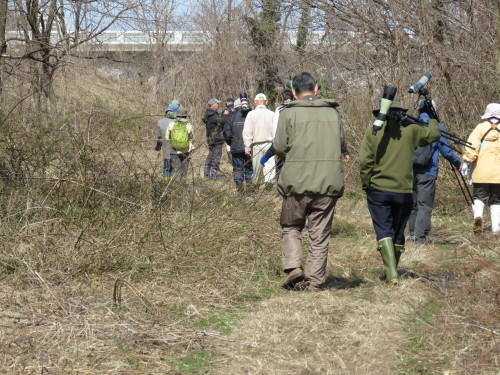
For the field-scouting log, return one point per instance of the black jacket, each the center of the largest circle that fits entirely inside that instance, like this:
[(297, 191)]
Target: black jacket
[(212, 120), (233, 131)]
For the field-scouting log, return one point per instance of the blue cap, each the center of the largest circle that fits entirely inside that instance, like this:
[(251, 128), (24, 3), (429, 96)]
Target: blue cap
[(173, 107)]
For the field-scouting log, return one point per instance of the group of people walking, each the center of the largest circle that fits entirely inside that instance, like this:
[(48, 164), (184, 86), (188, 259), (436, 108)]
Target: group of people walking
[(248, 134), (306, 136)]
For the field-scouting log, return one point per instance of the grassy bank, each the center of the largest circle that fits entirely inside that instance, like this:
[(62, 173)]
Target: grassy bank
[(105, 268)]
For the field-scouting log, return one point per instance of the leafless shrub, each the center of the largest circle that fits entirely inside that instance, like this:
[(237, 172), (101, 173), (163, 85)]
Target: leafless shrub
[(82, 204)]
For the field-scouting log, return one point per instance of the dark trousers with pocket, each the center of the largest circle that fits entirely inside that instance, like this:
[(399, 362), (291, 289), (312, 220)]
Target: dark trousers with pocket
[(390, 212), (213, 161), (318, 210), (242, 167), (424, 191)]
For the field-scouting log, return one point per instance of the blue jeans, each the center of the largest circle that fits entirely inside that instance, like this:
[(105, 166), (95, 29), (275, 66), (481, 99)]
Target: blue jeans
[(242, 167), (166, 168)]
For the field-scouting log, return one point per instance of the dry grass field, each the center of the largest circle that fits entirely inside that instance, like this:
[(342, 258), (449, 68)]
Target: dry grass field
[(105, 268)]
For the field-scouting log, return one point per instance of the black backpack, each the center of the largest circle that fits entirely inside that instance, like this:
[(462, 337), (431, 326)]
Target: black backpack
[(423, 156)]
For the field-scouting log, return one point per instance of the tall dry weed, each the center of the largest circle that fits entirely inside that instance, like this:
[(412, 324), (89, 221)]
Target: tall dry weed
[(84, 209)]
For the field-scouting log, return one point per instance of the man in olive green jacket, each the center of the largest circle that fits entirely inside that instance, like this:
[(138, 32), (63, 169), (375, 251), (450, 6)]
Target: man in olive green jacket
[(386, 169), (310, 139)]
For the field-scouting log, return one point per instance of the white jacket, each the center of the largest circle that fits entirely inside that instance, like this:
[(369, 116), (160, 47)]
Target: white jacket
[(276, 117), (258, 127)]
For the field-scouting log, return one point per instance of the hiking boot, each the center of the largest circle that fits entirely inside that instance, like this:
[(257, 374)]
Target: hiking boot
[(206, 172), (214, 173), (249, 188), (478, 225), (294, 277), (312, 288), (239, 186)]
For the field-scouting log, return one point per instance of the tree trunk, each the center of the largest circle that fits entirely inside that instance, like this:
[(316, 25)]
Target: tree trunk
[(3, 42), (305, 20), (264, 33), (496, 25)]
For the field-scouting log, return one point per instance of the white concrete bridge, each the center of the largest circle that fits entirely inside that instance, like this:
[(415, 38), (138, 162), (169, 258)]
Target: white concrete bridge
[(116, 41)]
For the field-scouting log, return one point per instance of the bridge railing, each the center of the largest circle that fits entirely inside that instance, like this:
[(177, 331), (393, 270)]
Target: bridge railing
[(183, 39), (122, 37)]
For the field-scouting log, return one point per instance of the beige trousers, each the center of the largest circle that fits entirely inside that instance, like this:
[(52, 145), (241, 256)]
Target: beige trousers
[(318, 210)]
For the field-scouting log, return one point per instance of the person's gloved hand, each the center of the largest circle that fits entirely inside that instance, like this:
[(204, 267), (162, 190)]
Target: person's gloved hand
[(263, 160), (465, 169)]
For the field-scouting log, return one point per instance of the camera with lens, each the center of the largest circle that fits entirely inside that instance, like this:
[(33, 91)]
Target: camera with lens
[(426, 104), (244, 102), (158, 145)]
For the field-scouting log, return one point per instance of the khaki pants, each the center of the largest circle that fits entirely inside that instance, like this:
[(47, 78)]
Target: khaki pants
[(318, 210)]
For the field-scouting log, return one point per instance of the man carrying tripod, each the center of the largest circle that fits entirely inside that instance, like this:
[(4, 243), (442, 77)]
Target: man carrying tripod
[(386, 169)]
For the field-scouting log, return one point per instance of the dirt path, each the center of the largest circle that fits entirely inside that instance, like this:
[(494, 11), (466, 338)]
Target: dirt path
[(358, 325), (350, 331)]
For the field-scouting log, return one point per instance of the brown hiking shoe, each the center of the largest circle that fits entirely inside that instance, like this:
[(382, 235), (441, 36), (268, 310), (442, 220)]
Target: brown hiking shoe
[(312, 288), (294, 277), (478, 225)]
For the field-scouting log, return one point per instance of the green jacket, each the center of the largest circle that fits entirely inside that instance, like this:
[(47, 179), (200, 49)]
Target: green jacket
[(310, 139), (386, 159)]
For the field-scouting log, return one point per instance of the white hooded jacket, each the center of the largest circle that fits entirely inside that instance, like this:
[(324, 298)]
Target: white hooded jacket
[(258, 127)]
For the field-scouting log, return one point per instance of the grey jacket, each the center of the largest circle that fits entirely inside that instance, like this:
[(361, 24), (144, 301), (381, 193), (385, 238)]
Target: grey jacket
[(161, 128)]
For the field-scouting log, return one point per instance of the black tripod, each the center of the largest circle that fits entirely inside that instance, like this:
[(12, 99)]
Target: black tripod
[(453, 138)]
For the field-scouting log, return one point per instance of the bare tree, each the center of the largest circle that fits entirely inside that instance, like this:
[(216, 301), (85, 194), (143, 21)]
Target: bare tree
[(264, 30), (47, 39), (378, 42), (156, 19), (3, 43)]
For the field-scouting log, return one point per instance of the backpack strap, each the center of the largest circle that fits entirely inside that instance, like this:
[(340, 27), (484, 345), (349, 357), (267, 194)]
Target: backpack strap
[(484, 136), (487, 131)]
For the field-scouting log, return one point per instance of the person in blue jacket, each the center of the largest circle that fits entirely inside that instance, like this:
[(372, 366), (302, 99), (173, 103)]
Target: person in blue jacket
[(424, 182)]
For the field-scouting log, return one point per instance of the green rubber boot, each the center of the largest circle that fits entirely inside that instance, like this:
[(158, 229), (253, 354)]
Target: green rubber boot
[(386, 248), (398, 250)]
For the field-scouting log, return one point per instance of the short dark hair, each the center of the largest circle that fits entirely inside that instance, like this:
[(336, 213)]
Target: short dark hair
[(303, 82), (286, 95)]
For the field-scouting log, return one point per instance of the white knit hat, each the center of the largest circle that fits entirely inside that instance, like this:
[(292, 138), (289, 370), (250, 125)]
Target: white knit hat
[(492, 110)]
